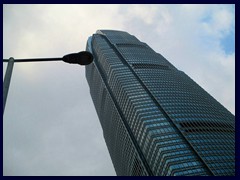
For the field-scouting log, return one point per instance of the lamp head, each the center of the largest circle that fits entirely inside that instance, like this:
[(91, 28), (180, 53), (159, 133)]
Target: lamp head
[(82, 58)]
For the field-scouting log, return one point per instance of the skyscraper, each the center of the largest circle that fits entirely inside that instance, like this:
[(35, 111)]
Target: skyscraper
[(156, 120)]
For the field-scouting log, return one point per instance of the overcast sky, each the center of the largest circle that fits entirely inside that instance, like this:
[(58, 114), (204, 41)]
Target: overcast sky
[(50, 124)]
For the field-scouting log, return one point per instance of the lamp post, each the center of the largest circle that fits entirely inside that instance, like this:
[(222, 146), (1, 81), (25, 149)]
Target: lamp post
[(81, 58)]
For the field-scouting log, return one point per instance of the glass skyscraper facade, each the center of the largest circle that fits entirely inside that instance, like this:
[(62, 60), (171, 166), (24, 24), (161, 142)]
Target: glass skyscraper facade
[(156, 120)]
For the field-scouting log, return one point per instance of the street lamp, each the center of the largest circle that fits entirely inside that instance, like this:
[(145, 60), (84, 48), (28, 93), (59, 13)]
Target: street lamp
[(81, 58)]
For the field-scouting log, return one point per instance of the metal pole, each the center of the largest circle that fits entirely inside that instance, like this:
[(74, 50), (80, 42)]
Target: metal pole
[(34, 60), (7, 79)]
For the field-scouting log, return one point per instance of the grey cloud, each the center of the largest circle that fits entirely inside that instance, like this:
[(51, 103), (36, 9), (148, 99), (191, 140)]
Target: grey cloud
[(50, 124)]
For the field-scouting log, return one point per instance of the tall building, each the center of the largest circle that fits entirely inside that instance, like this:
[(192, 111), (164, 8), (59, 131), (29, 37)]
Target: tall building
[(156, 120)]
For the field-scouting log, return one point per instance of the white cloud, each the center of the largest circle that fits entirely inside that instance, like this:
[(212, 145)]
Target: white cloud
[(145, 13), (219, 23)]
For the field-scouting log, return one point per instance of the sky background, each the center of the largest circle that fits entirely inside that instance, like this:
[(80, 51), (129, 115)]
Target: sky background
[(50, 126)]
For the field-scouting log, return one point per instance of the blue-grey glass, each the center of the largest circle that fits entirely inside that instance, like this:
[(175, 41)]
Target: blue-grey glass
[(156, 120)]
